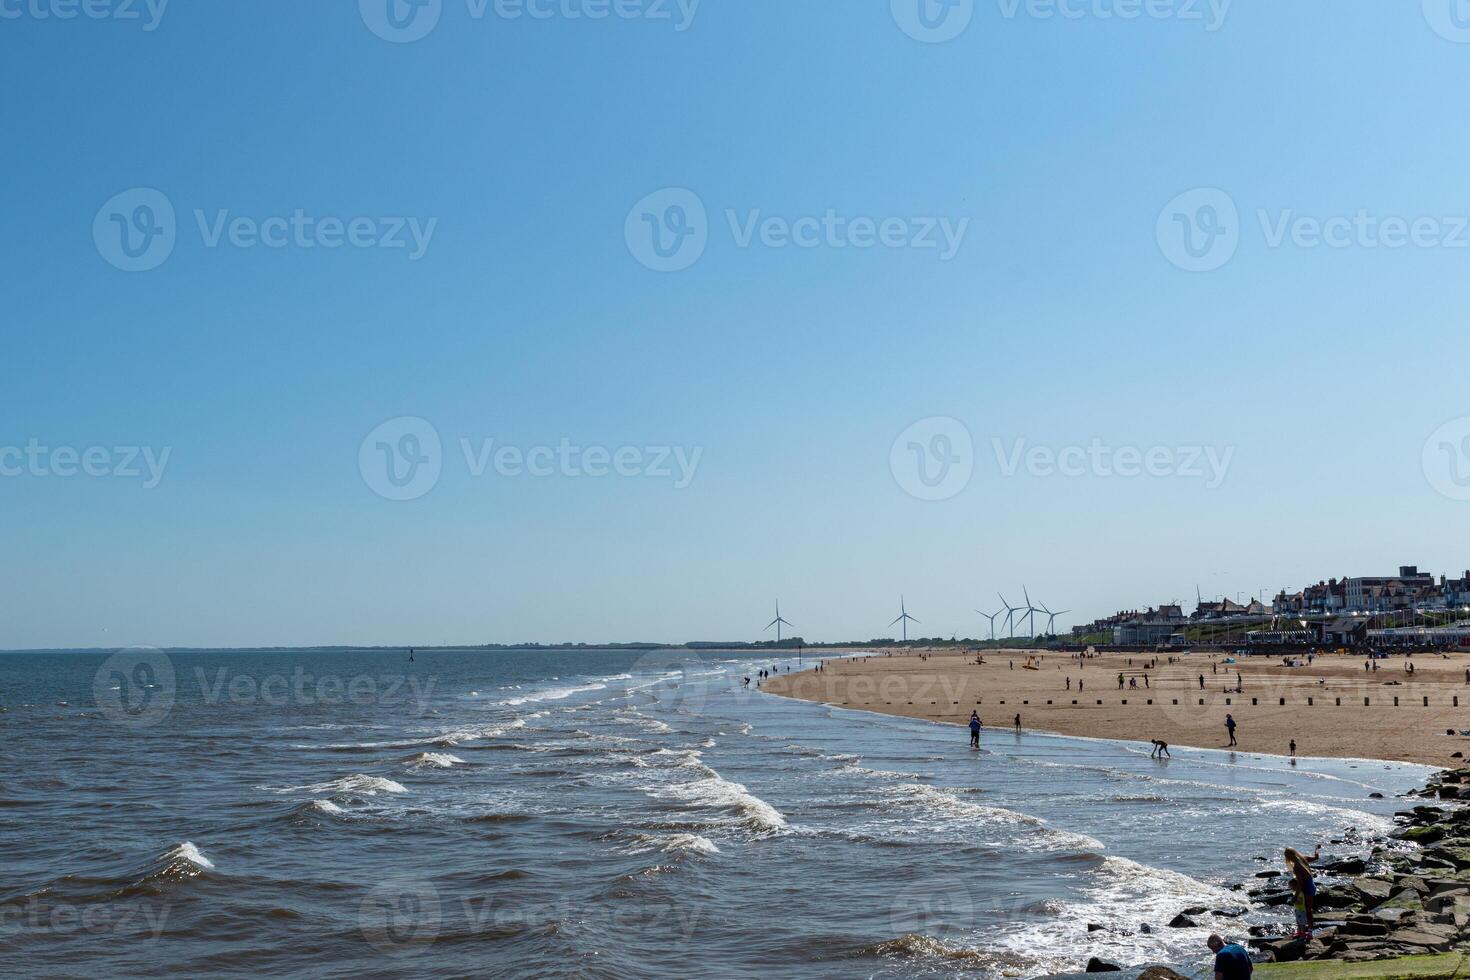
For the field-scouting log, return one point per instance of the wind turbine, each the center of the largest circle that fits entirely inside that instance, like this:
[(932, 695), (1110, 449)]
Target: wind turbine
[(1010, 611), (903, 617), (1031, 612), (1051, 619), (778, 622), (991, 617)]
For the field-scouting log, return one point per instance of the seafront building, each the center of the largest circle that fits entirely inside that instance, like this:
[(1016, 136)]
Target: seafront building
[(1412, 606)]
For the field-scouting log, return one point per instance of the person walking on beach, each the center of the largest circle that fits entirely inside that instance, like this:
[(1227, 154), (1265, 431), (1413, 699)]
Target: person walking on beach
[(1201, 682), (1161, 749), (974, 730), (1230, 727), (1018, 724), (1232, 962), (1069, 683), (1120, 680), (1292, 746)]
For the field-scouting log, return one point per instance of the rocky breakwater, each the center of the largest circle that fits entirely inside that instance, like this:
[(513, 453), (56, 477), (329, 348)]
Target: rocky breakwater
[(1410, 897)]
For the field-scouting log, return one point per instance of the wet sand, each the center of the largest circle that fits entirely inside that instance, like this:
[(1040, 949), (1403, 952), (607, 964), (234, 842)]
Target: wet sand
[(946, 687)]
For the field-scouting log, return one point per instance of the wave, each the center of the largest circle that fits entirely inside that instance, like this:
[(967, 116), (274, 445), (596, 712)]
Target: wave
[(553, 694), (717, 792), (671, 844), (946, 804), (325, 806), (433, 760), (358, 785)]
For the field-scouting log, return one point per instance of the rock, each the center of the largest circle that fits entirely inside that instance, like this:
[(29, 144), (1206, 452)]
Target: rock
[(1422, 940), (1457, 755), (1372, 890), (1268, 874), (1145, 928), (1182, 921), (1096, 965), (1196, 910), (1161, 973), (1093, 927), (1429, 834)]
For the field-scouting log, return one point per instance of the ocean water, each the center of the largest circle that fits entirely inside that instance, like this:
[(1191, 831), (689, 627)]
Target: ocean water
[(599, 814)]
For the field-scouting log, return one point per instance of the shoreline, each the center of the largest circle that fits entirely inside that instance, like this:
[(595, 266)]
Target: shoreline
[(1402, 910), (1332, 708)]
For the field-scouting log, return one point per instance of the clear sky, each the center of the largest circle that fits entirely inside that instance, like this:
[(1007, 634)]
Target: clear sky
[(1065, 307)]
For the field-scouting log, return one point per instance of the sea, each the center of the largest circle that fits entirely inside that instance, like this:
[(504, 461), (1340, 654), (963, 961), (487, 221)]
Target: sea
[(604, 814)]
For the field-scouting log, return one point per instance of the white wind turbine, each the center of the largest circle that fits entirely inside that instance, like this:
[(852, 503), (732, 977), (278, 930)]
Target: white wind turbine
[(778, 622), (991, 617), (1010, 612), (903, 617)]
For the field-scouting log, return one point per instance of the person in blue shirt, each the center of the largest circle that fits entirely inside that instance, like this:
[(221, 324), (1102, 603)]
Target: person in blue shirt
[(1232, 962), (974, 730)]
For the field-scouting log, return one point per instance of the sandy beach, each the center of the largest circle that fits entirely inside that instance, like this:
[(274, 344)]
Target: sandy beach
[(1332, 708)]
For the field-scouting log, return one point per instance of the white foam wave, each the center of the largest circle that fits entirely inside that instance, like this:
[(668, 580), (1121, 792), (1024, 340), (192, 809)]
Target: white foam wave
[(717, 792), (356, 785), (326, 806), (188, 852), (434, 760), (554, 694), (672, 844)]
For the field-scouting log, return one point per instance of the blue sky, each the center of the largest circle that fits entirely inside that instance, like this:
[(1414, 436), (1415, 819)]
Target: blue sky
[(1055, 142)]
